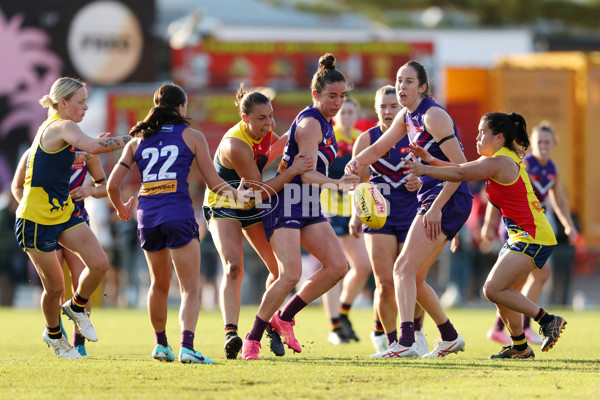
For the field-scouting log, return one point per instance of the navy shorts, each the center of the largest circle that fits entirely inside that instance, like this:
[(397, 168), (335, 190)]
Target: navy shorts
[(245, 217), (539, 253), (44, 238), (272, 221), (86, 218), (388, 230), (170, 234), (455, 212)]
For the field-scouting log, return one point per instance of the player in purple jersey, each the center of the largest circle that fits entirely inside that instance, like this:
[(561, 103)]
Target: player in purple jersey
[(384, 245), (164, 148), (443, 209), (337, 302), (78, 193), (297, 220), (543, 175)]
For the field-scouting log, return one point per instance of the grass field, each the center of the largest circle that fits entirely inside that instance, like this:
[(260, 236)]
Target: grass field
[(121, 366)]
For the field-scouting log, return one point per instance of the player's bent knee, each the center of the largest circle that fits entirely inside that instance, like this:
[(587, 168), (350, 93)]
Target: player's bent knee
[(55, 292), (99, 267), (290, 279), (386, 290), (490, 291), (340, 269)]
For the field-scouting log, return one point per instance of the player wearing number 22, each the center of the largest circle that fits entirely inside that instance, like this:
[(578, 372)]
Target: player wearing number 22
[(164, 147)]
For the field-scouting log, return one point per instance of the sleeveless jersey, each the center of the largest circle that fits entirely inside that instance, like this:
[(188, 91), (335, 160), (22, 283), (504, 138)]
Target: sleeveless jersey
[(327, 148), (164, 162), (387, 174), (326, 153), (417, 133), (260, 150), (542, 177), (78, 175), (46, 198), (521, 210)]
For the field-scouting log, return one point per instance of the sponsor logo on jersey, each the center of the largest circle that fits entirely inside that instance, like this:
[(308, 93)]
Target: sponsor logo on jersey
[(152, 188)]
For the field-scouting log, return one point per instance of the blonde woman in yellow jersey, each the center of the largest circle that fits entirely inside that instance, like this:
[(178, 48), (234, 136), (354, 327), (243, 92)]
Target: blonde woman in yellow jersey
[(84, 163), (531, 239), (245, 150), (47, 215)]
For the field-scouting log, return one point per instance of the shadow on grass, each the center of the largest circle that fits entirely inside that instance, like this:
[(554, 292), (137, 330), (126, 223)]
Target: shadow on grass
[(577, 365)]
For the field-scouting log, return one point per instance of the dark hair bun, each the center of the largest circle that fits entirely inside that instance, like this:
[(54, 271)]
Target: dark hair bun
[(327, 61)]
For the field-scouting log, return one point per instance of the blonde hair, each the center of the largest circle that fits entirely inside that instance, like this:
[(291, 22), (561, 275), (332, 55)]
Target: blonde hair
[(62, 88), (545, 126)]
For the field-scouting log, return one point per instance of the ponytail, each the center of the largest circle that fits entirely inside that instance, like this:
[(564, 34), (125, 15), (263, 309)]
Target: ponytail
[(167, 99), (521, 137), (512, 126), (246, 99)]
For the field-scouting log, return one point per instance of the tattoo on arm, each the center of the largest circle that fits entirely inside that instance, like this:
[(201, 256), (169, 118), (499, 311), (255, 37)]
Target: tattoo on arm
[(114, 143), (82, 156)]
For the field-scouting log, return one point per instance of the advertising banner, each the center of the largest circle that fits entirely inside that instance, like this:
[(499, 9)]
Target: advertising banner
[(290, 65)]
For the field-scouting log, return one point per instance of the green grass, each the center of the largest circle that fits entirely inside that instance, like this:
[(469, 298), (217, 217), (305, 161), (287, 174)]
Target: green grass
[(121, 366)]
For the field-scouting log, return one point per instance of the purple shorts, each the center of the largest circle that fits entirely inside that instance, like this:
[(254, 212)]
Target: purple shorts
[(388, 230), (170, 234), (454, 213)]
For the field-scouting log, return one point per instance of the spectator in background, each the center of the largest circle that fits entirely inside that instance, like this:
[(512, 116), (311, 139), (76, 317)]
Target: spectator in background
[(473, 256), (13, 263), (129, 260)]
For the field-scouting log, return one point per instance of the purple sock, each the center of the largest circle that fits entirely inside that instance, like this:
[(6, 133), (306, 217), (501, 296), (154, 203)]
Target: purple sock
[(161, 338), (407, 334), (526, 322), (257, 329), (447, 331), (392, 337), (419, 322), (187, 340), (292, 308), (78, 339), (499, 324)]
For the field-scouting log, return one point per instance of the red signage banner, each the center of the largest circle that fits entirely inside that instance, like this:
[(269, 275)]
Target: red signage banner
[(289, 65)]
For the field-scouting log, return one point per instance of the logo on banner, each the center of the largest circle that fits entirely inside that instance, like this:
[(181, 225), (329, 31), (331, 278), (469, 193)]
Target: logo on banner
[(105, 42)]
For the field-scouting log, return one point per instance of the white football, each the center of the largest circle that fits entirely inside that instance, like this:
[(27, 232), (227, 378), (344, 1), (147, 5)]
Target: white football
[(370, 205)]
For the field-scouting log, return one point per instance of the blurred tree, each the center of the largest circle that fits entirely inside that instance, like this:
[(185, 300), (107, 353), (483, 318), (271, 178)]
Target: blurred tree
[(403, 13)]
